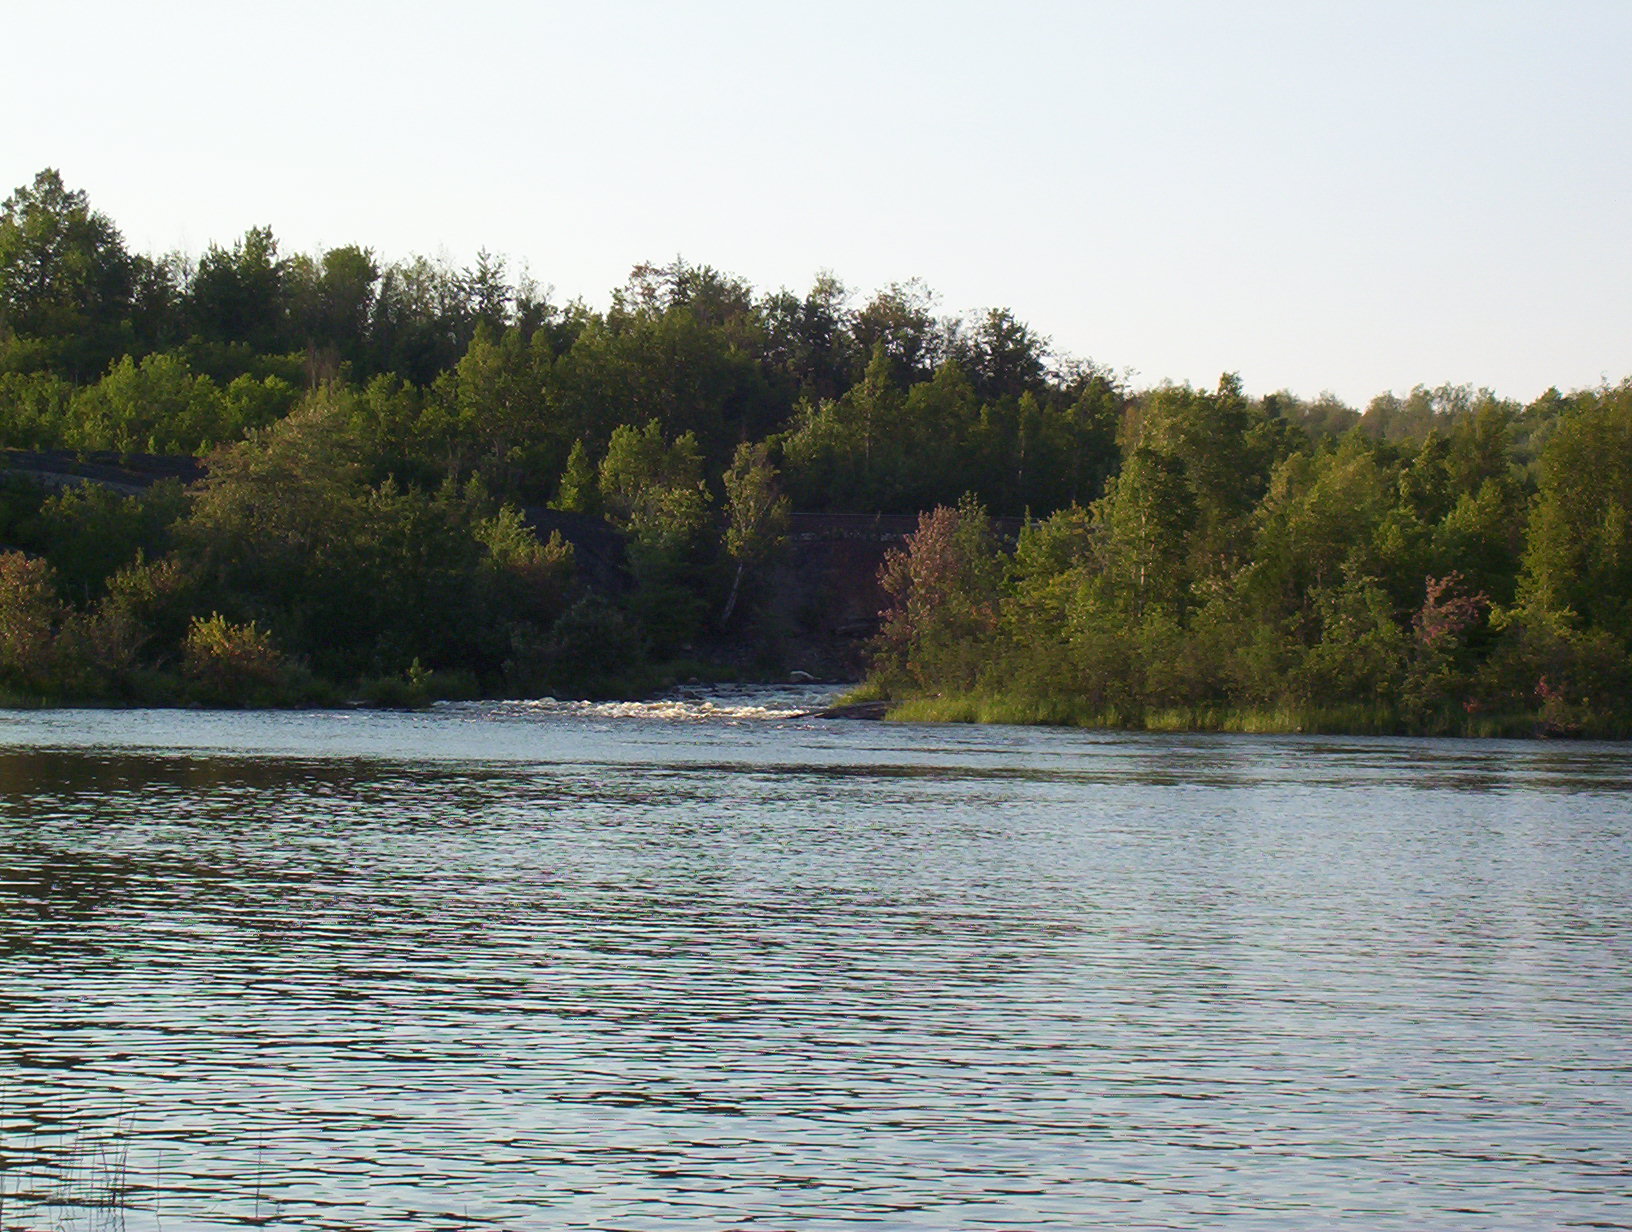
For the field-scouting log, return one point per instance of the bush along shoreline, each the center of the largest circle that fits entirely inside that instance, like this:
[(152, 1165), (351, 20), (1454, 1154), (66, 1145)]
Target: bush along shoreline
[(258, 478), (1438, 587)]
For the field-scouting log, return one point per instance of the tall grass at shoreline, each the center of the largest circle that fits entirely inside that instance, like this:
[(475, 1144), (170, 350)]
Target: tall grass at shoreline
[(1352, 719)]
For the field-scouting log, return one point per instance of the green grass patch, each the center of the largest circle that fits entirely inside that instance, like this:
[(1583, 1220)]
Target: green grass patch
[(1352, 719), (866, 691)]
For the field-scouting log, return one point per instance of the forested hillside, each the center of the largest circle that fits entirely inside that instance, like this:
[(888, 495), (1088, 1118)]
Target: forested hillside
[(372, 431)]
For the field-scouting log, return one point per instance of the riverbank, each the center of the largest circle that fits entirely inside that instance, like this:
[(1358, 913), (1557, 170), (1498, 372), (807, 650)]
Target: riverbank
[(417, 689), (1352, 720), (685, 678)]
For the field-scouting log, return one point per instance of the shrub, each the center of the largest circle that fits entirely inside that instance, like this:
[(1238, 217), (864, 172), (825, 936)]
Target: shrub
[(29, 614), (229, 662)]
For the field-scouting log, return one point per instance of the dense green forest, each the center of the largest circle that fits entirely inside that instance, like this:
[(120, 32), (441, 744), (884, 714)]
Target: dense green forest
[(371, 433)]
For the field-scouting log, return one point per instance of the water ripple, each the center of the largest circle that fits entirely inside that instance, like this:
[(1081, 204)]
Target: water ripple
[(527, 967)]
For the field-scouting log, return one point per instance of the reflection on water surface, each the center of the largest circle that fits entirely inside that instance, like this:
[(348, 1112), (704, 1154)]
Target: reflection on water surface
[(549, 966)]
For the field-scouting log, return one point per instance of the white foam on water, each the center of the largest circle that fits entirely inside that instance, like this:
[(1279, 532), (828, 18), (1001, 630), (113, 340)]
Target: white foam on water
[(672, 709), (765, 704)]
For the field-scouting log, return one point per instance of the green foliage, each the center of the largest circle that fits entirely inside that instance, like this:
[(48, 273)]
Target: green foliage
[(1578, 560), (756, 516), (579, 490), (1362, 589), (525, 579), (898, 327), (683, 364), (376, 432), (357, 576), (756, 510), (654, 488), (1326, 416), (1143, 526), (65, 277), (91, 532), (843, 449), (145, 614), (494, 413), (1360, 651), (1317, 524), (592, 650), (34, 410), (331, 301), (227, 661), (155, 406), (237, 294)]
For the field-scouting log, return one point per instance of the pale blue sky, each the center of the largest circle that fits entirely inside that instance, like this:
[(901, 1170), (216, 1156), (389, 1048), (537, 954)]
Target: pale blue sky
[(1353, 196)]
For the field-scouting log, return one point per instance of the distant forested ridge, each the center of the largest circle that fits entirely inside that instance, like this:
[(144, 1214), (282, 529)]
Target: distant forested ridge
[(421, 478)]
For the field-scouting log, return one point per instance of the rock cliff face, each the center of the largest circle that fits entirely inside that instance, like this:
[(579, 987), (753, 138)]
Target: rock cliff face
[(822, 599), (597, 548), (128, 472), (813, 610)]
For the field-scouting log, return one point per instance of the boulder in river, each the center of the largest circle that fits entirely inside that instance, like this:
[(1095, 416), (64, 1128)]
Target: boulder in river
[(856, 710)]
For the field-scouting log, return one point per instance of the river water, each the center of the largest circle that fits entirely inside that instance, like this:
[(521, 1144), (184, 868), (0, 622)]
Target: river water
[(710, 965)]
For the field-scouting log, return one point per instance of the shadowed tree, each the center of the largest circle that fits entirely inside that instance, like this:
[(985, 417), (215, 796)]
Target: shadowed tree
[(237, 295), (64, 274)]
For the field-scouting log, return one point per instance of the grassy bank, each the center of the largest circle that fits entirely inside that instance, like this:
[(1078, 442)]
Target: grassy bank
[(1353, 720)]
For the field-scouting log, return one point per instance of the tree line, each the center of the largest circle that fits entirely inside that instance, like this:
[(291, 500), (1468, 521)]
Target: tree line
[(372, 431), (1240, 573)]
